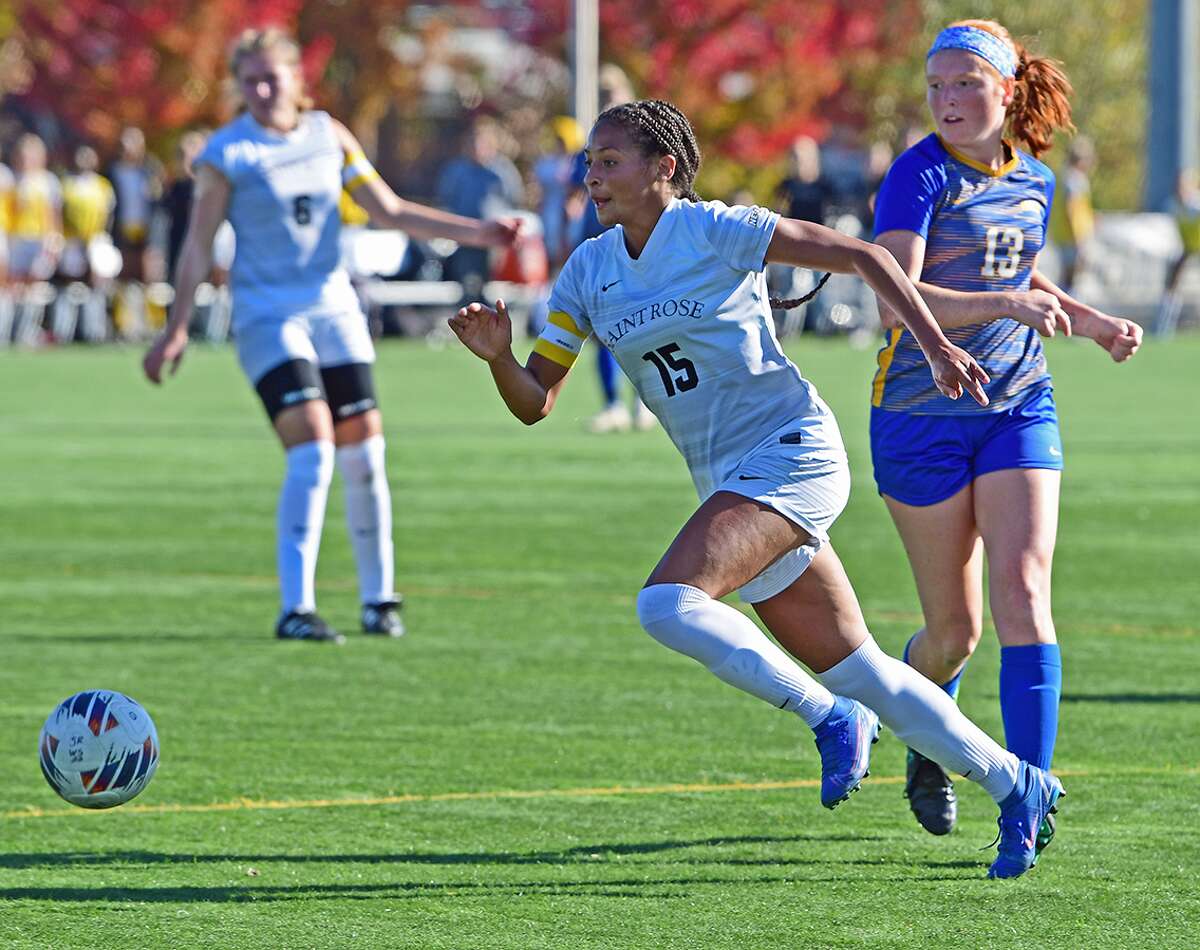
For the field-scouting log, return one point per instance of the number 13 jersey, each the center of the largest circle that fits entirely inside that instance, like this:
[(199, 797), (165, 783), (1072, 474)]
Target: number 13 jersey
[(690, 324), (983, 230)]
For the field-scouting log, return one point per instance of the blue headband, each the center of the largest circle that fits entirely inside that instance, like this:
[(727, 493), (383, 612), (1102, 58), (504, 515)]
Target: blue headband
[(983, 44)]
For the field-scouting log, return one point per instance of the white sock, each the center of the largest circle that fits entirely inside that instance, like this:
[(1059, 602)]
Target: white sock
[(729, 643), (300, 517), (369, 517), (924, 717)]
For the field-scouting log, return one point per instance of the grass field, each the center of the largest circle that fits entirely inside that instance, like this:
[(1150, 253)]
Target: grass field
[(527, 768)]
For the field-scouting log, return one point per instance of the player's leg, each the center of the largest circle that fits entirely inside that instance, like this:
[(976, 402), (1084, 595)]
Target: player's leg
[(729, 541), (347, 355), (945, 553), (1016, 508), (614, 417), (305, 430), (279, 358), (1167, 316), (1017, 511), (923, 468), (817, 618), (361, 459)]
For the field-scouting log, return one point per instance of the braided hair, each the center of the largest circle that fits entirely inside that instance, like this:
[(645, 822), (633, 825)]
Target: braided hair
[(659, 128)]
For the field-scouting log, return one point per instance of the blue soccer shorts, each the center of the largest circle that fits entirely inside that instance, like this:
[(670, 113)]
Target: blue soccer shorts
[(924, 459)]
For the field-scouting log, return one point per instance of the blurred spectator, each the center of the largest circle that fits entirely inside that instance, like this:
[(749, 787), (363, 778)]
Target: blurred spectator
[(554, 173), (87, 207), (34, 213), (1072, 221), (1186, 209), (472, 186), (806, 194), (6, 187), (879, 160), (137, 181), (177, 196)]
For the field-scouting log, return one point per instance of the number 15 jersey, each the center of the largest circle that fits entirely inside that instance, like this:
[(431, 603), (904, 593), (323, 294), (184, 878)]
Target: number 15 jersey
[(690, 324)]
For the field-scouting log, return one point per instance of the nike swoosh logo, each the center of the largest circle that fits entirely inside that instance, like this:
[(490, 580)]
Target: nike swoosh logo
[(604, 287), (751, 478)]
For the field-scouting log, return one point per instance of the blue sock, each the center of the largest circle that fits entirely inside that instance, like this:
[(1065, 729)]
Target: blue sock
[(606, 363), (1030, 687), (950, 687)]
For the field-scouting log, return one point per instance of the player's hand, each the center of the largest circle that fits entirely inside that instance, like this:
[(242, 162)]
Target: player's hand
[(955, 370), (1118, 337), (1040, 310), (485, 332), (168, 348)]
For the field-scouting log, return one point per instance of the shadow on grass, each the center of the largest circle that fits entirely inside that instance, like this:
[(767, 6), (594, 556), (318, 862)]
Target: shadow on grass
[(164, 637), (582, 854), (1131, 698), (653, 887)]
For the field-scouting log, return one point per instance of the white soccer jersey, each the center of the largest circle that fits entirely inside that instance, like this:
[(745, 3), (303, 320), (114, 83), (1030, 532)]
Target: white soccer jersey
[(284, 210), (689, 322)]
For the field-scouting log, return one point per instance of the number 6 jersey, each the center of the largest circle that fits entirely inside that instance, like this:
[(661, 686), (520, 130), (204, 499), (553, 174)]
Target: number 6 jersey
[(690, 324), (983, 230), (283, 206)]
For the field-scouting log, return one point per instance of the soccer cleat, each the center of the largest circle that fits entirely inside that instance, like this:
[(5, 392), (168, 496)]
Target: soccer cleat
[(844, 741), (1021, 816), (643, 418), (615, 418), (383, 618), (306, 625), (930, 794)]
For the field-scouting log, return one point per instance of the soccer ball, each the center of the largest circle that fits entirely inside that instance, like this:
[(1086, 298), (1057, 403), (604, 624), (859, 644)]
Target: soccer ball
[(98, 749)]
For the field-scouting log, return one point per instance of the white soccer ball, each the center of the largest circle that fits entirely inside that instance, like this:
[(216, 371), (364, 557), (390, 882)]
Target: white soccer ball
[(98, 749)]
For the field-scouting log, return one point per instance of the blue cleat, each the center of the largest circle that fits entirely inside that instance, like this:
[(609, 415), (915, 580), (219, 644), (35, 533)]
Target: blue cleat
[(844, 741), (1031, 803)]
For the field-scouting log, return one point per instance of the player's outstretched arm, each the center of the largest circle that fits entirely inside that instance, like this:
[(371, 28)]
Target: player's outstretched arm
[(210, 203), (803, 244), (1117, 336), (529, 391), (389, 210)]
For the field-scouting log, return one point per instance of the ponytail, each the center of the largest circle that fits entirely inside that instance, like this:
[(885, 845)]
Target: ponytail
[(1041, 102)]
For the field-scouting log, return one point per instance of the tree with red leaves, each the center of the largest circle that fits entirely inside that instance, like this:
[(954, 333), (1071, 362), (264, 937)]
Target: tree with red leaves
[(750, 74)]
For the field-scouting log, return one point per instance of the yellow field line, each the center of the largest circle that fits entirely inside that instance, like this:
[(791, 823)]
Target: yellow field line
[(253, 804)]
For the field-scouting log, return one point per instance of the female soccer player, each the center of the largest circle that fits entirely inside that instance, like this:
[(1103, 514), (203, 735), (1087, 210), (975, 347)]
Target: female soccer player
[(277, 172), (965, 210), (675, 288)]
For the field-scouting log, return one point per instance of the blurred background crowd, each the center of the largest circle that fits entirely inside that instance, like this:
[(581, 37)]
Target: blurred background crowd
[(799, 105)]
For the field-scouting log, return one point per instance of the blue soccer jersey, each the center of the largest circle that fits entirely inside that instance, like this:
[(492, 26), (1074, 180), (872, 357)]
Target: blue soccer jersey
[(983, 230)]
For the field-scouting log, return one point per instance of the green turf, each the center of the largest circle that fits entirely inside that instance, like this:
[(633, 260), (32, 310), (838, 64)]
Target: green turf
[(136, 553)]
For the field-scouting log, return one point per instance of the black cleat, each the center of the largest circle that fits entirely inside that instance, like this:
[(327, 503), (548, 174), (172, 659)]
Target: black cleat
[(383, 619), (930, 794), (302, 625)]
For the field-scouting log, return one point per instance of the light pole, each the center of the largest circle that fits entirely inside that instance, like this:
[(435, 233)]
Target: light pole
[(1171, 132), (585, 60)]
